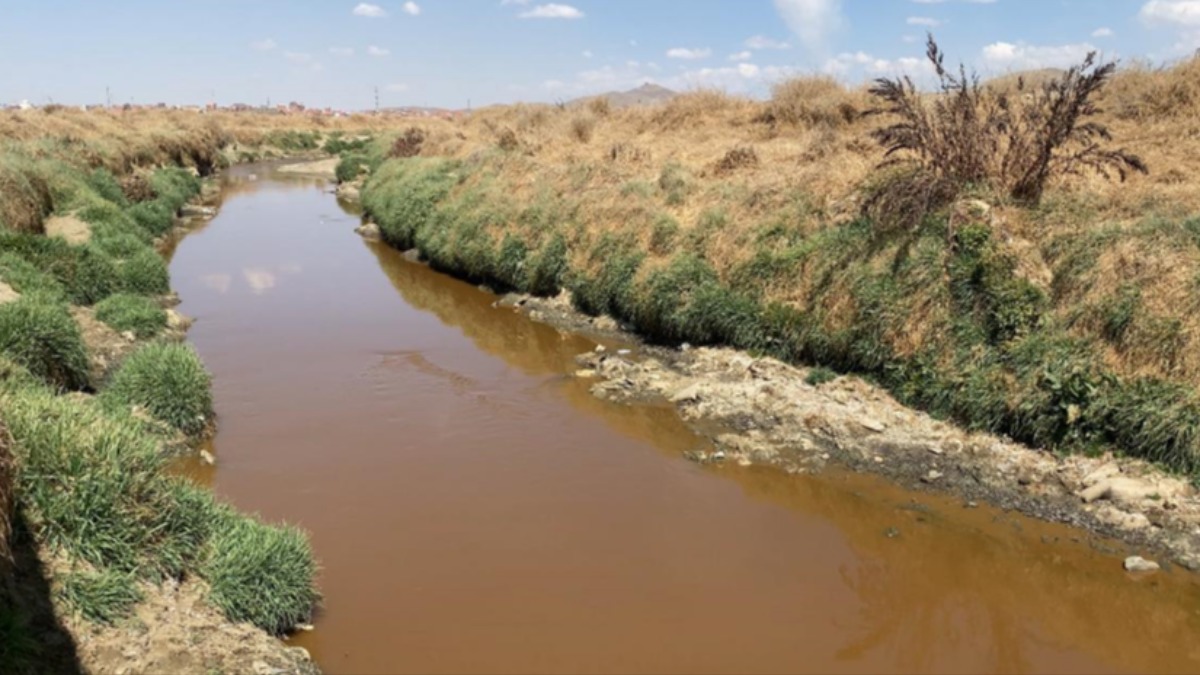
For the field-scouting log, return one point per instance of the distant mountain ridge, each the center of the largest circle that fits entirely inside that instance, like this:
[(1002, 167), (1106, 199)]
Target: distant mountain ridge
[(647, 94)]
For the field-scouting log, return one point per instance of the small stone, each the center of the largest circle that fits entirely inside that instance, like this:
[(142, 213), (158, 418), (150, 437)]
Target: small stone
[(600, 349), (206, 457), (719, 456), (684, 347), (1136, 563), (623, 352), (971, 505), (305, 627), (585, 373), (932, 476), (891, 533), (878, 459), (937, 450), (825, 456), (873, 424), (744, 461), (129, 336), (690, 393), (952, 446)]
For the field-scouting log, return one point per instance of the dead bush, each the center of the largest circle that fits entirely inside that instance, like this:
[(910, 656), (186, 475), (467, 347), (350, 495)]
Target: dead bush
[(507, 139), (810, 102), (628, 153), (583, 127), (25, 197), (741, 157), (409, 143), (968, 136), (137, 188), (600, 106)]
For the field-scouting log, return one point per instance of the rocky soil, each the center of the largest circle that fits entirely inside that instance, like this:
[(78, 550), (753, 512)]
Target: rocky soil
[(763, 411)]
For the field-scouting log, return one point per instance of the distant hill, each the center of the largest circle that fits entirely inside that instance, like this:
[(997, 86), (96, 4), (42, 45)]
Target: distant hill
[(647, 94)]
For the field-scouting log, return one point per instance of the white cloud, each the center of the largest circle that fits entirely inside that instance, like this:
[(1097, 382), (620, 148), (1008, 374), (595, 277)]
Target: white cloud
[(764, 42), (857, 65), (552, 11), (370, 11), (1102, 33), (378, 51), (341, 51), (688, 54), (411, 8), (264, 45), (813, 21), (396, 87), (587, 54), (1178, 12), (923, 21), (1021, 56), (514, 2), (298, 58), (741, 56), (259, 279)]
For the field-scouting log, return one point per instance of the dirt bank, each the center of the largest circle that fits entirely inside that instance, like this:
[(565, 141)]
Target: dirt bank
[(763, 411)]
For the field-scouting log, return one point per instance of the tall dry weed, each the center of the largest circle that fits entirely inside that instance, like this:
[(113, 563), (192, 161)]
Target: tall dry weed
[(970, 136)]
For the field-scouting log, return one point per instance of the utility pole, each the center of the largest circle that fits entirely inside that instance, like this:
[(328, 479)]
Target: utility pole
[(376, 99), (107, 96)]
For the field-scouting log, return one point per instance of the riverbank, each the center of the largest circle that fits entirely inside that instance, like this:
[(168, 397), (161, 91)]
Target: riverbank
[(716, 222), (131, 566)]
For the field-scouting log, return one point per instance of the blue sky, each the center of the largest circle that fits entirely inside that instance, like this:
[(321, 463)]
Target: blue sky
[(448, 52)]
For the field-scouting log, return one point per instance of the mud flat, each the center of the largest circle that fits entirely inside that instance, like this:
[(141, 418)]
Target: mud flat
[(763, 411)]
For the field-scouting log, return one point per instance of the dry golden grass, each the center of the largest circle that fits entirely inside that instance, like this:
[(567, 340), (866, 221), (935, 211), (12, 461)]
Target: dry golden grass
[(801, 160)]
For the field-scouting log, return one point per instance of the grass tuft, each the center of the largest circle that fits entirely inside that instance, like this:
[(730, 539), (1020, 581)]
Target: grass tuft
[(39, 333), (135, 313), (169, 381)]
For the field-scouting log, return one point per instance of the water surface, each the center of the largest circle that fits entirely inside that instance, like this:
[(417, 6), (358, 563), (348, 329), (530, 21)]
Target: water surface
[(476, 510)]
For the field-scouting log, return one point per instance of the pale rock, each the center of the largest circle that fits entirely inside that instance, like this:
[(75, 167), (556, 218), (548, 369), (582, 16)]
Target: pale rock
[(1136, 563)]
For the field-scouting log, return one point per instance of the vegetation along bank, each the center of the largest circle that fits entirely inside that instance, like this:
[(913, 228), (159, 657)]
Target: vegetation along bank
[(109, 562), (1021, 257)]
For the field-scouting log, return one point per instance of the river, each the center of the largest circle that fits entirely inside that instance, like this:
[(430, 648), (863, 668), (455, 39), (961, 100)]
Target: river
[(475, 509)]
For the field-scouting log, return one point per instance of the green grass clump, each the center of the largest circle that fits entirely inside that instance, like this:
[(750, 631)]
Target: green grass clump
[(24, 277), (39, 333), (105, 184), (292, 141), (338, 144), (674, 183), (102, 598), (262, 574), (144, 273), (136, 313), (349, 167), (169, 381), (404, 195), (94, 485), (86, 274), (819, 376)]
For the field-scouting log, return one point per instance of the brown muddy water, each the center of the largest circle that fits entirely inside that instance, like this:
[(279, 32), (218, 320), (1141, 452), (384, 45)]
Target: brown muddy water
[(476, 510)]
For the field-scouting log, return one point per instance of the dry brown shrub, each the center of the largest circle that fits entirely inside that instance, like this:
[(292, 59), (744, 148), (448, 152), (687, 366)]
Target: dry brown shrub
[(583, 127), (507, 140), (137, 188), (971, 136), (25, 198), (810, 102), (628, 153), (600, 106), (1144, 93), (409, 143), (693, 108), (741, 157)]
